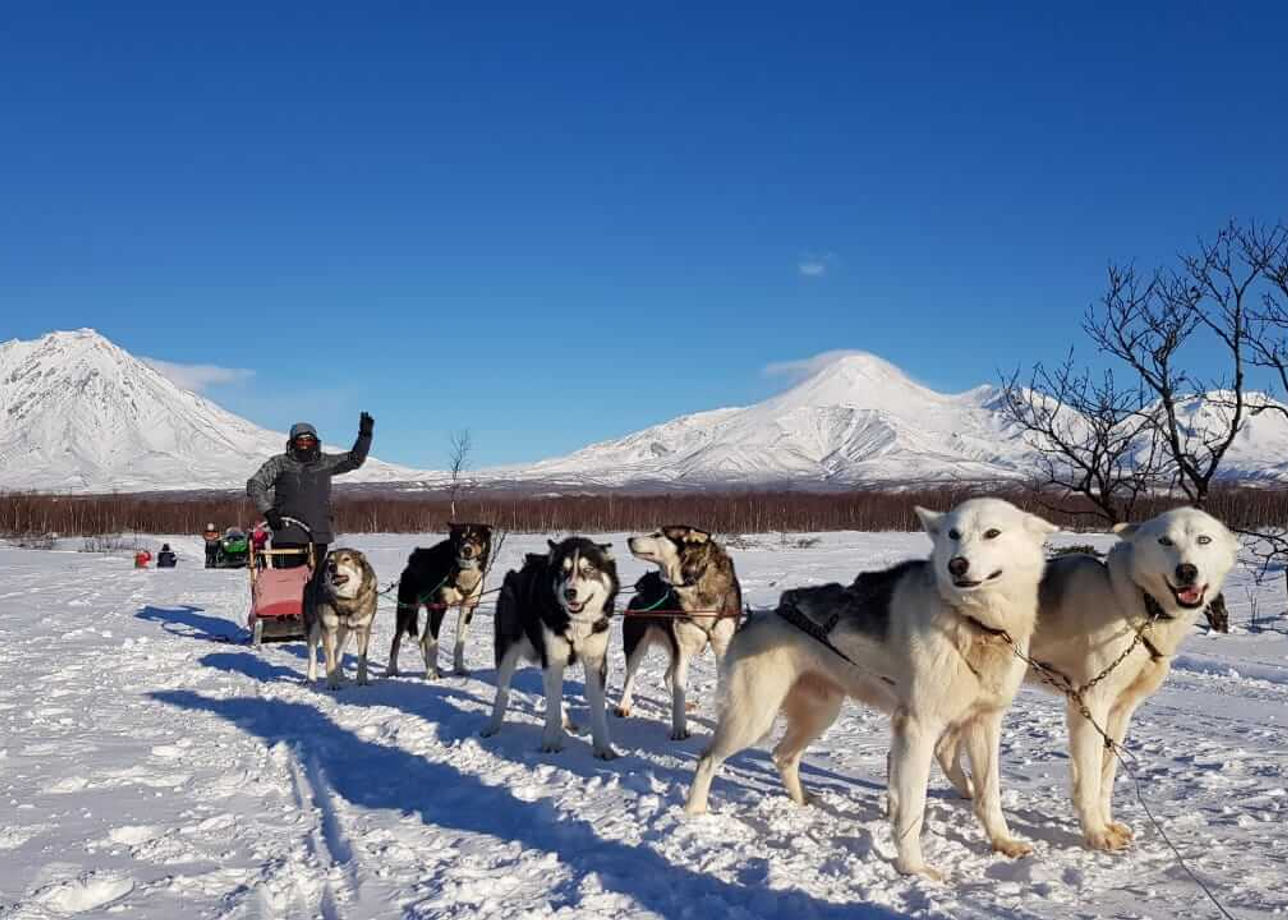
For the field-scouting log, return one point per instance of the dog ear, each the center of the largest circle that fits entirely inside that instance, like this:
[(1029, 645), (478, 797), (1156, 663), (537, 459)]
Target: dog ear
[(1039, 526), (675, 532), (696, 536), (553, 546), (929, 519), (1124, 530), (607, 548)]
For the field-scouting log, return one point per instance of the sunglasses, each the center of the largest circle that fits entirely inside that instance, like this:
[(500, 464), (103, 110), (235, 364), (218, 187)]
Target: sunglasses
[(306, 439)]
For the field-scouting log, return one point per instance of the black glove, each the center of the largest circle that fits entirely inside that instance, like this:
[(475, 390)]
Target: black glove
[(365, 424), (274, 518)]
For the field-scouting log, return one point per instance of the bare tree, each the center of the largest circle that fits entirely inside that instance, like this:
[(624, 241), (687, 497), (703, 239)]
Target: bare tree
[(458, 460), (1091, 436), (1145, 323), (1267, 248)]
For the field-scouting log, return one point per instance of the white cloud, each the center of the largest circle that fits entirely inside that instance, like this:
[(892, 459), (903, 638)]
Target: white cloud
[(815, 265), (198, 377), (806, 367)]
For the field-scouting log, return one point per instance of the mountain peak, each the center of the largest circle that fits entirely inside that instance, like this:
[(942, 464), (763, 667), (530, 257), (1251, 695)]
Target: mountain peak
[(856, 379), (79, 412)]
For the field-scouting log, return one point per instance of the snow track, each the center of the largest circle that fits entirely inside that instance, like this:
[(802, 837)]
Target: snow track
[(151, 766)]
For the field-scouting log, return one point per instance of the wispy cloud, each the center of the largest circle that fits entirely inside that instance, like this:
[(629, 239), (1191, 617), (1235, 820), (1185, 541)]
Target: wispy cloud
[(815, 265), (198, 377), (806, 367)]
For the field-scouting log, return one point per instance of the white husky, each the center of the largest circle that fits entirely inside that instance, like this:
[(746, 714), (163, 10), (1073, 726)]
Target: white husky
[(1153, 585), (925, 643)]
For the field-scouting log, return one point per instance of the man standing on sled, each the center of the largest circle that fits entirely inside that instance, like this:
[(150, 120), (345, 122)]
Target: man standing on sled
[(297, 484)]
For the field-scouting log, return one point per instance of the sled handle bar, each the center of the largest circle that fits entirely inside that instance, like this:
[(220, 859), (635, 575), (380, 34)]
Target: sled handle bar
[(297, 522)]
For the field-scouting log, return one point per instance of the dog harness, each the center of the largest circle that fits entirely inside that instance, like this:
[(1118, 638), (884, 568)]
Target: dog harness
[(816, 631)]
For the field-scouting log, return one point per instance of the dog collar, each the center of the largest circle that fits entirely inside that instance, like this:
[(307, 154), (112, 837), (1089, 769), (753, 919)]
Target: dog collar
[(1153, 608), (985, 628)]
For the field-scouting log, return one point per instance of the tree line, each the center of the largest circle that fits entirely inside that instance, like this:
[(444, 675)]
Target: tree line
[(26, 514)]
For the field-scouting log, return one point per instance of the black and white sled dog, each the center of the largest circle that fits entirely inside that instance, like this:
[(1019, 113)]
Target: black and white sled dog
[(1142, 600), (447, 574), (555, 611), (344, 602), (923, 642), (695, 576)]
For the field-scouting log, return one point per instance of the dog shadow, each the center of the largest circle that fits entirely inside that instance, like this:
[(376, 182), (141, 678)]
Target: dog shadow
[(189, 622), (520, 738), (422, 698), (414, 786)]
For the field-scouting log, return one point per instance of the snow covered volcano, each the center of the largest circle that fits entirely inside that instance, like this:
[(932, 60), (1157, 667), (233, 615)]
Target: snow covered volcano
[(858, 420), (80, 414)]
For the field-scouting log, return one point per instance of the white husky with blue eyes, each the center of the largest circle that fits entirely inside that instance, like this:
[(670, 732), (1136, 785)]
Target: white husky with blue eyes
[(1155, 584), (926, 641)]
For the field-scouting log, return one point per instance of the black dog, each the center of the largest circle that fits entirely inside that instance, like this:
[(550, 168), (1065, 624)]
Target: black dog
[(447, 574), (555, 611)]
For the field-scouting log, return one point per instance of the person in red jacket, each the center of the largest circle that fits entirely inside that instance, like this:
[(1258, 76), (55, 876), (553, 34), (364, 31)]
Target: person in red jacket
[(258, 542), (142, 558)]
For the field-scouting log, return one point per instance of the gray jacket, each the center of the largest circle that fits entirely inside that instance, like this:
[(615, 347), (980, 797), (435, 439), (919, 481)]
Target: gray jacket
[(303, 490)]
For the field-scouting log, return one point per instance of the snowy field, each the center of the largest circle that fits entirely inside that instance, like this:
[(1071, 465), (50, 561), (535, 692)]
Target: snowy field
[(153, 765)]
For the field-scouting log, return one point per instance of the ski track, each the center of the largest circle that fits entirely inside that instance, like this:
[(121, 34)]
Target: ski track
[(154, 766)]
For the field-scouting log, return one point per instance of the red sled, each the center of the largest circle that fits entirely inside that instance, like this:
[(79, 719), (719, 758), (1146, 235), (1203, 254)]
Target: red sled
[(277, 594)]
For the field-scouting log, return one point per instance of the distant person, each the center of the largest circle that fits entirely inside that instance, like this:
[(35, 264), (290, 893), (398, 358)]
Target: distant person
[(258, 543), (142, 558), (166, 558), (297, 484), (211, 536)]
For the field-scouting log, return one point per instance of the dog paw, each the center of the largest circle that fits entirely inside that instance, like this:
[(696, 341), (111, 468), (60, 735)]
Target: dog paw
[(606, 754), (333, 684), (1012, 847), (551, 746), (1122, 830), (364, 681), (391, 671), (433, 674), (681, 734), (621, 712), (487, 731), (460, 671), (1107, 838), (693, 809), (908, 867)]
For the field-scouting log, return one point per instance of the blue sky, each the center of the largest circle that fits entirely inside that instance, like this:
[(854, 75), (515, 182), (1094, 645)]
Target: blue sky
[(553, 226)]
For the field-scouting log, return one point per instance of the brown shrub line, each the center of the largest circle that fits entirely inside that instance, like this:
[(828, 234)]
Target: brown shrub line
[(23, 514)]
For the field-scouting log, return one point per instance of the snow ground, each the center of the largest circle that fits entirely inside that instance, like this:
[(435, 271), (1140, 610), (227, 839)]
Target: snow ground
[(152, 765)]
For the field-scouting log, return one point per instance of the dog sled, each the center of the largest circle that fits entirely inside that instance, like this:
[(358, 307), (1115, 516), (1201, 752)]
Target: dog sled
[(277, 594)]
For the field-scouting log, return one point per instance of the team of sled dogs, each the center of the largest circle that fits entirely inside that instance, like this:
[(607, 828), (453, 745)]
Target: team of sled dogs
[(940, 644)]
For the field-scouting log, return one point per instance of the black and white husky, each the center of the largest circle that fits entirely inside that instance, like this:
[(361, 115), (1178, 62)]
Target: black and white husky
[(555, 611)]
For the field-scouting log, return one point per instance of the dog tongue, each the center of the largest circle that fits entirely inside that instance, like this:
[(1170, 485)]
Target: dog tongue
[(1190, 595)]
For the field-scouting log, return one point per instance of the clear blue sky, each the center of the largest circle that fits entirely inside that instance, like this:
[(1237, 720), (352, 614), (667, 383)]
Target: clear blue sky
[(553, 226)]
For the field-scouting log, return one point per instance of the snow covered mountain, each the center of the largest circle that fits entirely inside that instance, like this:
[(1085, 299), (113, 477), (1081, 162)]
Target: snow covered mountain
[(79, 414), (858, 420)]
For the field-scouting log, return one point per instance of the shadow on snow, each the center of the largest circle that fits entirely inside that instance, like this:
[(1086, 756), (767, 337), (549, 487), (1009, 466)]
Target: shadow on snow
[(443, 796)]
